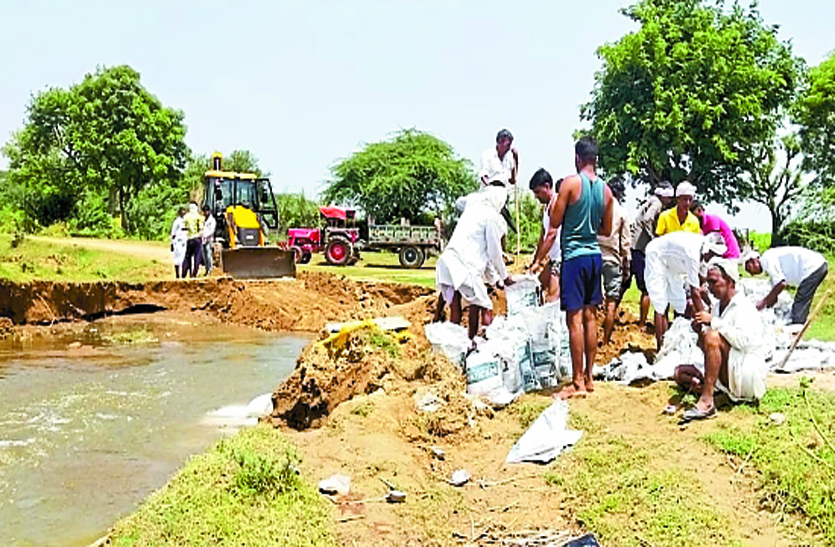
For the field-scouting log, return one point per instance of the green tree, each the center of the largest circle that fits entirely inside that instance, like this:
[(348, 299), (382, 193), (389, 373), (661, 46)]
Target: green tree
[(777, 180), (107, 134), (814, 112), (296, 211), (693, 94), (411, 173)]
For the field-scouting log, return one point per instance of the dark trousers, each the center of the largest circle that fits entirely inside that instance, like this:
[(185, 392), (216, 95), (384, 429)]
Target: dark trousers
[(806, 292), (194, 255)]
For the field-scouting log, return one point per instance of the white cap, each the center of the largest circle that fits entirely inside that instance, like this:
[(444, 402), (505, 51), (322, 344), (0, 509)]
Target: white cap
[(730, 267), (714, 243), (664, 191), (750, 255), (685, 189)]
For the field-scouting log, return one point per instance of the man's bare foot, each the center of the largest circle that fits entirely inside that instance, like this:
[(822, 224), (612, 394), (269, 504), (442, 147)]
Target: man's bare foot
[(573, 391), (589, 384)]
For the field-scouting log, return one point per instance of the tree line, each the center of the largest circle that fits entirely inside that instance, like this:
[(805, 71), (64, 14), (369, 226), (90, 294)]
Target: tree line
[(699, 92)]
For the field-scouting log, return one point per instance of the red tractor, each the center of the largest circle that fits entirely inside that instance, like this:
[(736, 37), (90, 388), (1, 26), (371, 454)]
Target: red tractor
[(340, 239)]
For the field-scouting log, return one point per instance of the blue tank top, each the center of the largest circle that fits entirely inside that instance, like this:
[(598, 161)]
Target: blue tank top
[(582, 220)]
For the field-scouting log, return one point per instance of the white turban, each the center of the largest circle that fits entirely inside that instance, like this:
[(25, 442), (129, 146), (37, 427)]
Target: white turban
[(714, 243), (664, 191), (685, 189), (192, 208), (730, 267)]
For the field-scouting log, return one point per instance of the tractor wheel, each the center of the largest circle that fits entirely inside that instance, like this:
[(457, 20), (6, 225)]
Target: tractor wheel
[(297, 254), (411, 257), (305, 259), (338, 251)]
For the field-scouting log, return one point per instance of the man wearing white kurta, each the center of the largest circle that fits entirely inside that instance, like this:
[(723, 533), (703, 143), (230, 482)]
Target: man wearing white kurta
[(673, 263), (789, 266), (476, 244), (732, 340), (500, 163)]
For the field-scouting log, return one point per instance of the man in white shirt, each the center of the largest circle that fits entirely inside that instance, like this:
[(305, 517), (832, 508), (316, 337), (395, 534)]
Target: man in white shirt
[(475, 245), (673, 263), (208, 238), (542, 186), (614, 249), (500, 164), (789, 266), (731, 338)]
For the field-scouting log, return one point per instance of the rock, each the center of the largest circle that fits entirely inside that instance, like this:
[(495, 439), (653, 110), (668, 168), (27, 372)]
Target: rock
[(427, 401), (335, 484), (777, 418), (74, 345), (396, 496), (460, 477), (438, 452)]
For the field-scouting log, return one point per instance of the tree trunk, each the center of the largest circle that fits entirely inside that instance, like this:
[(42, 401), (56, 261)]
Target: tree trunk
[(123, 211), (776, 226), (112, 203)]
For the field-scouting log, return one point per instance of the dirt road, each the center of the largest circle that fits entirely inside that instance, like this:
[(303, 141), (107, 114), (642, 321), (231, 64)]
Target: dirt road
[(145, 249)]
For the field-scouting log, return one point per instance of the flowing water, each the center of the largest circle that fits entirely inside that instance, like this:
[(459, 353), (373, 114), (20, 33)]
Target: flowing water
[(87, 433)]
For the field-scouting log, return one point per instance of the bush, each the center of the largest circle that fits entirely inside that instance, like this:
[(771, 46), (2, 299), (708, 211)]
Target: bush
[(816, 235)]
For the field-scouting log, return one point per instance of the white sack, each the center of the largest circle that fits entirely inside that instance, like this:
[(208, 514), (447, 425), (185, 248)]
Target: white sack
[(522, 294), (546, 438), (449, 339)]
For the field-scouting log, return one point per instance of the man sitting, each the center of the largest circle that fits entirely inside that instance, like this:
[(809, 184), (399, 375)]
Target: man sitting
[(795, 266), (731, 338)]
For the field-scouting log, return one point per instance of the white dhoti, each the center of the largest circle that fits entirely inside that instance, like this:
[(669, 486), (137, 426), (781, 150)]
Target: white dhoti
[(451, 275), (665, 287)]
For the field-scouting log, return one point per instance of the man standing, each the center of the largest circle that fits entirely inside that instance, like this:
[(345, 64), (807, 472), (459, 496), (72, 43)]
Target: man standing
[(643, 231), (789, 266), (732, 343), (208, 237), (673, 264), (475, 245), (543, 189), (680, 219), (193, 222), (715, 223), (499, 165), (614, 249), (583, 210)]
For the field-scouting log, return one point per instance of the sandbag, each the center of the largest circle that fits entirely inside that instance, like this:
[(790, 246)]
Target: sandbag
[(449, 339), (522, 294)]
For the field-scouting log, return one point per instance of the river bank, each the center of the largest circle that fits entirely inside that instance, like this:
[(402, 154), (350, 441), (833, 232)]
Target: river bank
[(635, 474)]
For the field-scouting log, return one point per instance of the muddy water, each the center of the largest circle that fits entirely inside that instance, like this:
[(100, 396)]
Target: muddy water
[(87, 433)]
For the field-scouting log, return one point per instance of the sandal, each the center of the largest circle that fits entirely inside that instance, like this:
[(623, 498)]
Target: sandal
[(694, 414)]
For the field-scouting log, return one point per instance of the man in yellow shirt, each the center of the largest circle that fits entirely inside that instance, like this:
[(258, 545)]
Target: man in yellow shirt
[(680, 219)]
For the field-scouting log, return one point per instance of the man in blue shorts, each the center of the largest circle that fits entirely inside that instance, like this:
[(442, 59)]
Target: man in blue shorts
[(583, 210)]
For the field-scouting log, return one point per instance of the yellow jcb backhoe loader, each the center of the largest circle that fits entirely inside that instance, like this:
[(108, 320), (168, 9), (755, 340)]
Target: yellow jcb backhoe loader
[(244, 207)]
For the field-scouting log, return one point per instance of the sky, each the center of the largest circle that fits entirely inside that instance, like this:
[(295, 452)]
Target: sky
[(303, 84)]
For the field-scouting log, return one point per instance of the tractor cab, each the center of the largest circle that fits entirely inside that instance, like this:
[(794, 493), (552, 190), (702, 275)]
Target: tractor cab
[(342, 237)]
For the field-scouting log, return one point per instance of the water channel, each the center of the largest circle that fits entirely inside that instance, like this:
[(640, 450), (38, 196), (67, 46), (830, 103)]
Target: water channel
[(86, 433)]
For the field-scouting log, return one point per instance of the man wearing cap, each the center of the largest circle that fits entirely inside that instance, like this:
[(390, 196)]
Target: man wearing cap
[(731, 338), (643, 231), (680, 219), (673, 264), (789, 266)]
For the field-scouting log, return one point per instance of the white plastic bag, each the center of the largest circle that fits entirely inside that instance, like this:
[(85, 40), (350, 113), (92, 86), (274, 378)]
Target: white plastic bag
[(522, 294), (547, 437), (449, 339)]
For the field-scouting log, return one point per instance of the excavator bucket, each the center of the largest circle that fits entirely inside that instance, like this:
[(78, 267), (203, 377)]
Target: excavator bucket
[(258, 262)]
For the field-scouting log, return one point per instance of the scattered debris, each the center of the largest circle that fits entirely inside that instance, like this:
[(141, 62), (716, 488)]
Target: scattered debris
[(438, 453), (546, 438), (776, 418), (460, 477), (384, 323), (396, 496), (426, 400), (335, 484)]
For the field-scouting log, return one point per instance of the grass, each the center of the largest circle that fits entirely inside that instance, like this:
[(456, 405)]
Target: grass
[(29, 260), (378, 267), (134, 336), (795, 461), (628, 493), (243, 491)]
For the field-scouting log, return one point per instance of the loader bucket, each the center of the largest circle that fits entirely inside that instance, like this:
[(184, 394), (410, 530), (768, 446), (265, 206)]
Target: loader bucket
[(258, 262)]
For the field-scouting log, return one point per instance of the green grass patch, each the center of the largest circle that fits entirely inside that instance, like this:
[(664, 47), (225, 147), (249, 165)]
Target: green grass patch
[(243, 491), (382, 266), (795, 461), (528, 408), (26, 259), (628, 493), (135, 336)]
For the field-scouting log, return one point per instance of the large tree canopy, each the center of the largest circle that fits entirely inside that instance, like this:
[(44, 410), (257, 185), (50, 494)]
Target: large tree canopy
[(815, 113), (692, 94), (402, 177), (107, 134)]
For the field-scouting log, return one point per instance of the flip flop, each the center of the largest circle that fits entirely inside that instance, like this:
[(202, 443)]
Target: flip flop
[(694, 414)]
